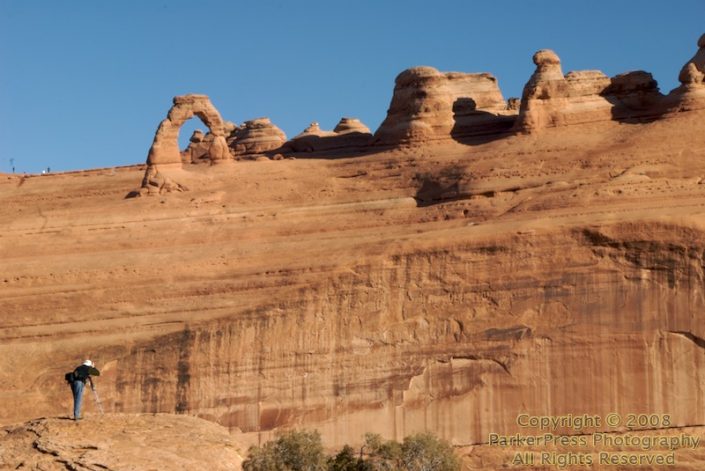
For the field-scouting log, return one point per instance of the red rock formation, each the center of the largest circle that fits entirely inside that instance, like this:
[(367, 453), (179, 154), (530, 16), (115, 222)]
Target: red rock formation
[(694, 70), (349, 133), (551, 99), (257, 136), (197, 149), (428, 105), (347, 125), (165, 148), (440, 287), (119, 441), (559, 273), (691, 94)]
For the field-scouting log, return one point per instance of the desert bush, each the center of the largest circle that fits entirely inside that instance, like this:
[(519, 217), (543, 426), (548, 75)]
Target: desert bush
[(303, 451), (292, 451), (426, 452), (381, 455), (346, 460)]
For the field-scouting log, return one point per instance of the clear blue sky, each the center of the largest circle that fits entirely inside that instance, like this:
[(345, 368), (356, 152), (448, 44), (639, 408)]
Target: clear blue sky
[(84, 84)]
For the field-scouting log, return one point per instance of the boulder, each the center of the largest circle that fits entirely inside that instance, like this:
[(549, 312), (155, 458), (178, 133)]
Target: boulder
[(156, 183), (257, 136), (197, 149), (197, 136)]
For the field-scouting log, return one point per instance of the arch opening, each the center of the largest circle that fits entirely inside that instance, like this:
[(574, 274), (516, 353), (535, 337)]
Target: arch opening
[(165, 147)]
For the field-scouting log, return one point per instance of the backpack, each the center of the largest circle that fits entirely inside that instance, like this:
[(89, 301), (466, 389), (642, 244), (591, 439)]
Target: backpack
[(70, 377)]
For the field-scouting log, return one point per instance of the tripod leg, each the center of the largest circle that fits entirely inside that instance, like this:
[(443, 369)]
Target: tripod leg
[(97, 400)]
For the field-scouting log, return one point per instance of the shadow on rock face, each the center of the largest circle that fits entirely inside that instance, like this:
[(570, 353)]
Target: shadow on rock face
[(473, 127), (635, 98), (440, 187)]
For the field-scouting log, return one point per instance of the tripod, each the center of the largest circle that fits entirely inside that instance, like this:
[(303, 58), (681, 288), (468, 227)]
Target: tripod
[(97, 399)]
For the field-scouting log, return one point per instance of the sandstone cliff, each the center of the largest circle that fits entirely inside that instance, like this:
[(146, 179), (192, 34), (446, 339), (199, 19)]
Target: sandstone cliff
[(441, 287)]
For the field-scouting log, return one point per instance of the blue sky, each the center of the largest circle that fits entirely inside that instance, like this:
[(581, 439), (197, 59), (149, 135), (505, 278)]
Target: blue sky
[(84, 84)]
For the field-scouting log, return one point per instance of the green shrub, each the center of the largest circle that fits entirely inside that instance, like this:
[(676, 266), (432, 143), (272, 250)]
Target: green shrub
[(292, 451), (382, 455), (303, 451), (426, 452), (346, 460)]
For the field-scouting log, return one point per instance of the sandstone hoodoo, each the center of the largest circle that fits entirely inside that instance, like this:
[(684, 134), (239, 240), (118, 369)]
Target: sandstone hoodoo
[(691, 94), (348, 125), (257, 136), (350, 134), (694, 70), (551, 99), (430, 105)]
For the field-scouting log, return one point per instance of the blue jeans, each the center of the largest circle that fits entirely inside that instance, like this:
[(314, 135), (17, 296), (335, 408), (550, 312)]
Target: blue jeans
[(77, 389)]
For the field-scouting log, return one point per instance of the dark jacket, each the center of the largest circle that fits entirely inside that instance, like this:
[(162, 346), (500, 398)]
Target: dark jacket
[(83, 372)]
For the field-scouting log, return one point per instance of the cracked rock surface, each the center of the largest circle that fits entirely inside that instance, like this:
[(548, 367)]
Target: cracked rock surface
[(118, 442)]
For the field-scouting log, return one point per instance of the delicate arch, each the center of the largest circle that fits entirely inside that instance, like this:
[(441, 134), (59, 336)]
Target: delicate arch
[(165, 147)]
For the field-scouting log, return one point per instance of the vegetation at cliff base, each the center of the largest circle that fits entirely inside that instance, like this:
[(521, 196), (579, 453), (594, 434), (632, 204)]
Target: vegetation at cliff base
[(303, 451)]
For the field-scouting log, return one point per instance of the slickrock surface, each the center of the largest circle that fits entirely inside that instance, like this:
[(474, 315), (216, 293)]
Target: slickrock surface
[(257, 136), (119, 442)]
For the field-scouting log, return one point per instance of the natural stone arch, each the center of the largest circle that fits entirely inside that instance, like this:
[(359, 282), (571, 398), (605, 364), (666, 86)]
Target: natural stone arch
[(165, 147)]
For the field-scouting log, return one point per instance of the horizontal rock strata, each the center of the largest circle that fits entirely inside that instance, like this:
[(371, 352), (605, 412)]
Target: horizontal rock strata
[(256, 137), (428, 104), (551, 99)]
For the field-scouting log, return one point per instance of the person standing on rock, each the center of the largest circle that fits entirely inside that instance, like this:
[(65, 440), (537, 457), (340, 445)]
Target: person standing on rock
[(77, 379)]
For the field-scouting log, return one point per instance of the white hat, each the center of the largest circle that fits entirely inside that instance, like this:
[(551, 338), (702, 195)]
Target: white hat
[(88, 363)]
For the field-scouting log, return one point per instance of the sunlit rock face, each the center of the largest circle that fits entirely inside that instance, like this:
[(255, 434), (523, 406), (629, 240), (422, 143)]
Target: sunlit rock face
[(257, 136), (552, 99), (165, 148), (442, 286), (431, 105)]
